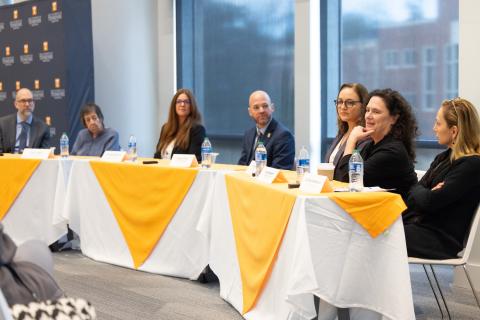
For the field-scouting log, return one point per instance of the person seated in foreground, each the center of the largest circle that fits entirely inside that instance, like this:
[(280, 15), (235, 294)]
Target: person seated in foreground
[(278, 140), (441, 206), (389, 156), (95, 139), (26, 272)]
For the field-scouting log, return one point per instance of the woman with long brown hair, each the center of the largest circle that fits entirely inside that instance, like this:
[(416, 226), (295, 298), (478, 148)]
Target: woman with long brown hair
[(183, 133), (442, 204), (350, 105)]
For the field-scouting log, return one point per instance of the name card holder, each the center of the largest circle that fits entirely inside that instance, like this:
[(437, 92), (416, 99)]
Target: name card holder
[(114, 156), (270, 175), (184, 161), (32, 153), (313, 183)]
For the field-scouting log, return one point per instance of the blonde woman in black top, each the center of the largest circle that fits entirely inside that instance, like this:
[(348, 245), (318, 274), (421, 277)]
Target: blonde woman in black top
[(442, 204)]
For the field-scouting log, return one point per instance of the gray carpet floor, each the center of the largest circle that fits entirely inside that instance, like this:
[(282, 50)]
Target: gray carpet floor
[(120, 293)]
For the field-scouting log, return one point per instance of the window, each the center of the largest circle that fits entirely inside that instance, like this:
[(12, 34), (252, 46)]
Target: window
[(451, 70), (226, 49), (409, 45), (429, 78)]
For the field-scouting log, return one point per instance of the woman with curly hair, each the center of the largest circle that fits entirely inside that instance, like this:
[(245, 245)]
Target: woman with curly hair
[(183, 132), (442, 204), (389, 156)]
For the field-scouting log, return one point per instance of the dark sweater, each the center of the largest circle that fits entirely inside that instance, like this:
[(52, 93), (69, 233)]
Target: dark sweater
[(448, 211), (197, 135), (386, 164)]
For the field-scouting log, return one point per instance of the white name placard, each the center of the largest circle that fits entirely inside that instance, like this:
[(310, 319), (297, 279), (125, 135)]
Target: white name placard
[(312, 183), (114, 156), (30, 153), (184, 161), (268, 175), (251, 168)]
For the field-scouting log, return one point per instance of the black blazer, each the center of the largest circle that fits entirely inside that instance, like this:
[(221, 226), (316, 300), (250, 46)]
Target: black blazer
[(279, 143), (39, 134), (449, 210), (341, 149), (386, 164), (197, 135)]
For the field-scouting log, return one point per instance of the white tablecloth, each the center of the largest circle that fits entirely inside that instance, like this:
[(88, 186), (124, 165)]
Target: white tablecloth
[(181, 251), (35, 212), (324, 253)]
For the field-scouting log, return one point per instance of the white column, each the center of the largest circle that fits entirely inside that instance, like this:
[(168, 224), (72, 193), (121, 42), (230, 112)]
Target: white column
[(307, 77), (469, 72), (125, 42)]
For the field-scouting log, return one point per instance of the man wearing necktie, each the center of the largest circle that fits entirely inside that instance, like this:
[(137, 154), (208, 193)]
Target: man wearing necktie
[(22, 130), (277, 139)]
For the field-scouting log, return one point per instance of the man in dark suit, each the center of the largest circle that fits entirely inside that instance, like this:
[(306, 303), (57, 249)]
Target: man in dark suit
[(278, 141), (22, 130)]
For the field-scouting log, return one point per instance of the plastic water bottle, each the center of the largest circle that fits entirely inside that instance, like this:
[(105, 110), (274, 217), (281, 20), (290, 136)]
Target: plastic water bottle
[(206, 153), (260, 158), (64, 145), (132, 148), (355, 172), (303, 163)]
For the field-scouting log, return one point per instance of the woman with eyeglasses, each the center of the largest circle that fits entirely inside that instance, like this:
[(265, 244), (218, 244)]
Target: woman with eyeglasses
[(183, 133), (350, 105), (441, 206), (389, 155)]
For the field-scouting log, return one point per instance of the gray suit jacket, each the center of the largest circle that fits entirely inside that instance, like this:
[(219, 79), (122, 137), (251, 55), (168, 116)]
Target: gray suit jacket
[(39, 134)]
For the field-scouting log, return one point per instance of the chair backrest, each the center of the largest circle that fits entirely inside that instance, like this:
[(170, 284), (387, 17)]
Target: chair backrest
[(5, 313), (472, 236)]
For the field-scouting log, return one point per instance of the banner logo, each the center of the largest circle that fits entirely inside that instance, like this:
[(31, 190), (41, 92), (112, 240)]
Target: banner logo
[(16, 23), (26, 58), (58, 93), (37, 93), (3, 95), (45, 56), (35, 19), (8, 60), (55, 15)]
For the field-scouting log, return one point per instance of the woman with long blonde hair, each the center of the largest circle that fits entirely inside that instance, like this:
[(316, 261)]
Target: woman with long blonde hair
[(183, 133), (441, 206)]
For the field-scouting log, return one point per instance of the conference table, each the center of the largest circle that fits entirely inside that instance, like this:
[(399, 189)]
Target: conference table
[(318, 248), (32, 198)]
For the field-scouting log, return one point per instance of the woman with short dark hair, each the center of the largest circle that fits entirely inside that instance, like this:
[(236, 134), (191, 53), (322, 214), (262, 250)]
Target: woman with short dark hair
[(95, 139)]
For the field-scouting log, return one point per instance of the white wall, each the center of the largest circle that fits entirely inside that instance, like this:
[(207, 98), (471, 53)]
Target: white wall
[(125, 41), (469, 88)]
